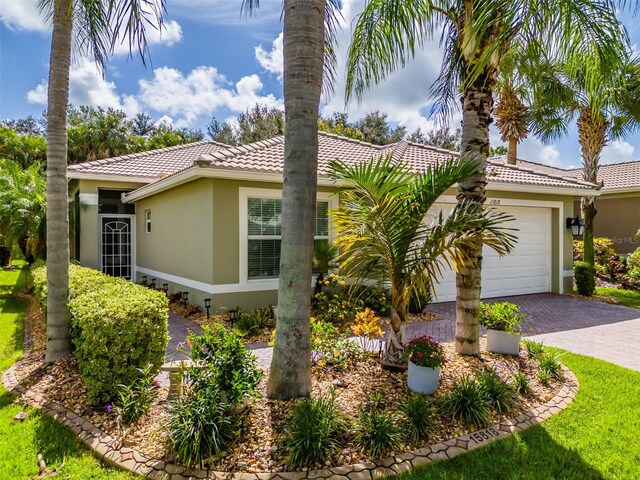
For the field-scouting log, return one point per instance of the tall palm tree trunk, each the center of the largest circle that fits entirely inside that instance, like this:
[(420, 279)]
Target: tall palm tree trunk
[(512, 152), (58, 324), (592, 134), (290, 374), (476, 117)]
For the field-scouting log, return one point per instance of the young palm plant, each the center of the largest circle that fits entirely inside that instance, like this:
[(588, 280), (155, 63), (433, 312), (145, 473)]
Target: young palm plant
[(383, 234), (476, 34)]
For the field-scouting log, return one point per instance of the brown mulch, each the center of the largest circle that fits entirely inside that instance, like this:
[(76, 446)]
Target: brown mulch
[(259, 447)]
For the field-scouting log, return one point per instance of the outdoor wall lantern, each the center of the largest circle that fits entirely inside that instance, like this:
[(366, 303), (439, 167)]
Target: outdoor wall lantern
[(153, 282), (185, 298), (576, 225), (207, 306), (232, 316), (165, 288)]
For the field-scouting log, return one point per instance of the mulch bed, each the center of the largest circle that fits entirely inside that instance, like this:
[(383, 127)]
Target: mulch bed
[(258, 449)]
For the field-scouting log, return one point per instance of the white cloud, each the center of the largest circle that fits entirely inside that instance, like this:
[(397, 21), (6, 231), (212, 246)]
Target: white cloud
[(536, 151), (201, 92), (22, 15), (272, 61), (88, 87), (617, 151)]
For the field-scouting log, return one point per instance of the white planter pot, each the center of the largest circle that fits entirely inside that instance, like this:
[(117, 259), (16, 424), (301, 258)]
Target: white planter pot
[(503, 342), (422, 379)]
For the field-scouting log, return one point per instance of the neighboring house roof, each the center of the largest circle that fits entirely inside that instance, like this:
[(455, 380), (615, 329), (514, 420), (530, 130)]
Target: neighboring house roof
[(264, 160), (620, 177), (147, 166), (615, 177)]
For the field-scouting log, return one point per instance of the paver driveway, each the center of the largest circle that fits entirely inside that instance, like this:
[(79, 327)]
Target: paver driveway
[(609, 332)]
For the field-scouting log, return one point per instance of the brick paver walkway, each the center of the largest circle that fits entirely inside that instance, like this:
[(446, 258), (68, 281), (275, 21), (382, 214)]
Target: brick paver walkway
[(609, 332)]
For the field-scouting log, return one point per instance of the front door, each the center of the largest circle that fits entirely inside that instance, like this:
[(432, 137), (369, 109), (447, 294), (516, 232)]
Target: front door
[(116, 246)]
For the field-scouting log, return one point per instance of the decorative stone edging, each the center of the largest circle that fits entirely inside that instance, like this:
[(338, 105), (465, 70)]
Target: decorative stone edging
[(106, 447)]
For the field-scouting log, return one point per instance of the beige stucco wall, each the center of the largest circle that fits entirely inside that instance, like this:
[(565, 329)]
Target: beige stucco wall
[(618, 218), (89, 217)]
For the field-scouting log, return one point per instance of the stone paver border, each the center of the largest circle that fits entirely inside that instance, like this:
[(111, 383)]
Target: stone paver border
[(106, 447)]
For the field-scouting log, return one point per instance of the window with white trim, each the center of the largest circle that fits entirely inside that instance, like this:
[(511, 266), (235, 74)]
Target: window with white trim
[(264, 220), (147, 220)]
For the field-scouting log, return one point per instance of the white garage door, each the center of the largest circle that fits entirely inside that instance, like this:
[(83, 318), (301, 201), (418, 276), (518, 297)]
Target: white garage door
[(526, 270)]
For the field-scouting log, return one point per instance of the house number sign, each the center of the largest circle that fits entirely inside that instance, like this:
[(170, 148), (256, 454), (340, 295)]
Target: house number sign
[(494, 201), (484, 435)]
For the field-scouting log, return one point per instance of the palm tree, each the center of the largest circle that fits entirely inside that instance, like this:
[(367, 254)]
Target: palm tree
[(606, 108), (382, 233), (477, 35), (22, 208), (307, 37), (510, 112), (98, 25)]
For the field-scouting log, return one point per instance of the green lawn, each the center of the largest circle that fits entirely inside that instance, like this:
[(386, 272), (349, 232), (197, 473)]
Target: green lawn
[(20, 443), (628, 298)]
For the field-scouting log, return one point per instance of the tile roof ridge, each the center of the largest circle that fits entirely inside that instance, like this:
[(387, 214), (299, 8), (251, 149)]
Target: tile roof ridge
[(353, 140), (146, 153), (398, 150), (235, 150), (435, 149), (615, 164), (537, 172)]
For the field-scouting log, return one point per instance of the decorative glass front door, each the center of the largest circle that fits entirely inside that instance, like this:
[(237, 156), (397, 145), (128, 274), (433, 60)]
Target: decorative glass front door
[(116, 246)]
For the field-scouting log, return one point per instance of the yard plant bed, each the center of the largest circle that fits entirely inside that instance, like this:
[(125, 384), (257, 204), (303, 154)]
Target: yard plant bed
[(259, 448)]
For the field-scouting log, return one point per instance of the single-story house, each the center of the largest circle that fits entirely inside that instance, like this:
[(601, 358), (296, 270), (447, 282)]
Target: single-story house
[(205, 218), (618, 202)]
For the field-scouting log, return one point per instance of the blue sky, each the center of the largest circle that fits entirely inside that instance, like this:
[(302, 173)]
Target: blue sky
[(211, 60)]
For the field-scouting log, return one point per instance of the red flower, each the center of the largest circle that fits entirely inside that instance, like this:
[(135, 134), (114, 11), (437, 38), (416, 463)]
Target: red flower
[(420, 355)]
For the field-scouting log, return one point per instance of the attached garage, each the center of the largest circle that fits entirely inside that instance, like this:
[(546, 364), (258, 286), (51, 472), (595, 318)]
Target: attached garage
[(528, 269)]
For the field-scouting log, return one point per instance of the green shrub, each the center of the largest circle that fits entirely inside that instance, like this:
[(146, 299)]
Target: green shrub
[(584, 275), (200, 427), (223, 364), (467, 402), (500, 395), (418, 415), (378, 432), (254, 320), (602, 251), (314, 431), (543, 377), (377, 299), (502, 316), (116, 331), (118, 328), (520, 383), (549, 363), (134, 400), (534, 349)]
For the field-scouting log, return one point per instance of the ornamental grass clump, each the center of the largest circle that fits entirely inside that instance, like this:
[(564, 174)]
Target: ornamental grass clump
[(499, 394), (378, 432), (501, 316), (534, 349), (550, 363), (418, 415), (425, 352), (467, 402), (520, 383), (314, 431), (135, 399)]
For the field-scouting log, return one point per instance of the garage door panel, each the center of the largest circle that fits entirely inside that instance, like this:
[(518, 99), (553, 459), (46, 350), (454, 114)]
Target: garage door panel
[(525, 270)]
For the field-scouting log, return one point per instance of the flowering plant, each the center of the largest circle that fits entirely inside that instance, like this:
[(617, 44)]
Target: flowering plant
[(501, 316), (425, 352)]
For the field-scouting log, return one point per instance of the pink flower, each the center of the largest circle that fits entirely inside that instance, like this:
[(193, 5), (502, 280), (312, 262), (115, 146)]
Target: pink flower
[(420, 355)]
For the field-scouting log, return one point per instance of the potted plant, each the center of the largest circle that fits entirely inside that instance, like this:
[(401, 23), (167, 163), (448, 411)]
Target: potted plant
[(502, 320), (425, 357)]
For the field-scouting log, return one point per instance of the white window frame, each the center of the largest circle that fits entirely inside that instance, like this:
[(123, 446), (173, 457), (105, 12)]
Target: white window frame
[(268, 193), (147, 221)]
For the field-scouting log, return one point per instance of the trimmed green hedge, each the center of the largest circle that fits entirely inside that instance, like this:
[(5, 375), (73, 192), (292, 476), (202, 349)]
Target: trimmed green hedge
[(585, 276), (117, 328)]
